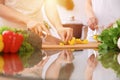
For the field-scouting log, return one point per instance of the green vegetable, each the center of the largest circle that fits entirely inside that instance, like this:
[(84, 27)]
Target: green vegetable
[(109, 37), (108, 49)]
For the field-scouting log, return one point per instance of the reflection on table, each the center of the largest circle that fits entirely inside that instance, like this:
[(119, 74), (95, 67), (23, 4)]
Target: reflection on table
[(56, 64)]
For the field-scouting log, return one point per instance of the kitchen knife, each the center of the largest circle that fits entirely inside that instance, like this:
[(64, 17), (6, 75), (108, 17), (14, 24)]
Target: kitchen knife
[(36, 41), (49, 39)]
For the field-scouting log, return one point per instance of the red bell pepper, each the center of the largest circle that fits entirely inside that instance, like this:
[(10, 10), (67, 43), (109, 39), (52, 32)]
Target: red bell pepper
[(16, 42), (12, 41), (7, 40)]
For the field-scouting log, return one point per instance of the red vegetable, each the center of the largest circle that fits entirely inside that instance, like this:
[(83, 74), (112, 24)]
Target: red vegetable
[(7, 40), (12, 41)]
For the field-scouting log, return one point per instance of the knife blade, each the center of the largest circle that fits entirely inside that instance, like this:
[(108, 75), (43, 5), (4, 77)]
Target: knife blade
[(34, 39), (37, 41), (49, 39)]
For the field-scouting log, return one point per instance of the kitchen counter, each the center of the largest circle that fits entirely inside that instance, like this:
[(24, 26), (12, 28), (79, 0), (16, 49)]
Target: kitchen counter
[(74, 70)]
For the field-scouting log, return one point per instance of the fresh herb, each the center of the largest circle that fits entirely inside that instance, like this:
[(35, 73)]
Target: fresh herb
[(108, 49)]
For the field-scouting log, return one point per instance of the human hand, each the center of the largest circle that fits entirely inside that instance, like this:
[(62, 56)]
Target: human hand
[(37, 27), (65, 33), (65, 56), (92, 23)]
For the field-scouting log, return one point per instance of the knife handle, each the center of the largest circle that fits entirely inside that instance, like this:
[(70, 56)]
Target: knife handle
[(44, 35)]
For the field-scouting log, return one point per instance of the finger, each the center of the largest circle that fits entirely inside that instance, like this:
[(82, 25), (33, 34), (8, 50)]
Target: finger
[(39, 31), (45, 29), (63, 36), (31, 29), (36, 30), (69, 36)]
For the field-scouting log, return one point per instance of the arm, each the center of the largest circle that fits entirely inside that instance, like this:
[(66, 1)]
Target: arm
[(53, 16), (50, 9), (89, 10), (12, 15), (92, 19), (21, 19)]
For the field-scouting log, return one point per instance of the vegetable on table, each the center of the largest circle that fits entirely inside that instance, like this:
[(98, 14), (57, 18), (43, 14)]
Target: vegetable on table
[(1, 43), (74, 41), (118, 43), (25, 50), (12, 41), (95, 37), (109, 47)]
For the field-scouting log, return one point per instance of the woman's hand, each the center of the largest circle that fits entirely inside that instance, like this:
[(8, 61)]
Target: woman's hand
[(92, 23), (37, 27), (65, 33)]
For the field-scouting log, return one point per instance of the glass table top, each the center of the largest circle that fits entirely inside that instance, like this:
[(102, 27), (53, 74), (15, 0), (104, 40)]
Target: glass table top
[(67, 64)]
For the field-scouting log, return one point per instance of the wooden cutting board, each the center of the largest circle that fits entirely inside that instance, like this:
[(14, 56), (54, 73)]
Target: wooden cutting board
[(90, 45)]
